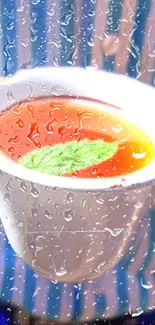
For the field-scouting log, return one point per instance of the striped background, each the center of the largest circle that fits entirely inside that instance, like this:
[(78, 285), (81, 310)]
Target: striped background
[(116, 35)]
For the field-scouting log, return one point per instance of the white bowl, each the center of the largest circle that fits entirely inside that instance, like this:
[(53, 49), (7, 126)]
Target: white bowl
[(71, 229)]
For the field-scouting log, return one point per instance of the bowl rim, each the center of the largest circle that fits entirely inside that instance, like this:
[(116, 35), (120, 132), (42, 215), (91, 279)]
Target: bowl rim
[(142, 94)]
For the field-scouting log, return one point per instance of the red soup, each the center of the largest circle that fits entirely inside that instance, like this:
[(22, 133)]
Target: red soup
[(46, 122)]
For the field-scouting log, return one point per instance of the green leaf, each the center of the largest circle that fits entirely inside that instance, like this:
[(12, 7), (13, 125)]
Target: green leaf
[(68, 157)]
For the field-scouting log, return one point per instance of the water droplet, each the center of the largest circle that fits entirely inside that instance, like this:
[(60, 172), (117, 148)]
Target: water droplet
[(69, 197), (49, 200), (20, 224), (7, 198), (90, 43), (37, 249), (20, 9), (82, 217), (24, 43), (94, 171), (13, 288), (55, 189), (99, 268), (49, 127), (20, 123), (117, 129), (30, 109), (30, 89), (10, 26), (38, 224), (33, 133), (134, 217), (83, 203), (40, 237), (57, 90), (138, 312), (113, 199), (10, 149), (9, 96), (61, 272), (51, 11), (138, 205), (48, 215), (56, 206), (61, 131), (35, 2), (34, 213), (139, 155), (68, 214), (35, 192), (114, 232), (43, 88), (100, 201), (23, 186), (13, 140), (8, 186), (146, 285)]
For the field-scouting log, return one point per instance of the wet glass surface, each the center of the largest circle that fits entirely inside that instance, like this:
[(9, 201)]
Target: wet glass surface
[(116, 36)]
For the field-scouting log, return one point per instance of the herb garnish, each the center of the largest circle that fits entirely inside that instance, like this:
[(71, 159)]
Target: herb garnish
[(68, 157)]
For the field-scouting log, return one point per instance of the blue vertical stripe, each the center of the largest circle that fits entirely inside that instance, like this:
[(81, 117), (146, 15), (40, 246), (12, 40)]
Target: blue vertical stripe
[(54, 300), (67, 31), (143, 293), (9, 39), (142, 12), (153, 75), (146, 261), (109, 61), (112, 27), (86, 32), (78, 301), (100, 306), (122, 291), (38, 32), (121, 278), (114, 16), (9, 269), (29, 289)]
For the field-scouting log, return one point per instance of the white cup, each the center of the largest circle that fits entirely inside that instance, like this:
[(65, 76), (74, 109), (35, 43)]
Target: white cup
[(70, 229)]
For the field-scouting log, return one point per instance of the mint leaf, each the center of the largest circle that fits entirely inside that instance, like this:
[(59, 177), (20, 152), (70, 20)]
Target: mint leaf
[(68, 157)]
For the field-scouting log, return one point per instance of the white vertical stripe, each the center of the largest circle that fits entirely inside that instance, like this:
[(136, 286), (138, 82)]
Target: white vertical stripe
[(99, 32), (151, 292), (1, 46), (133, 292), (19, 282), (53, 32), (105, 285), (136, 266), (150, 286), (66, 304), (150, 281), (150, 276), (76, 54), (148, 53), (89, 302), (125, 32), (143, 241), (2, 253), (40, 296), (23, 33), (109, 283)]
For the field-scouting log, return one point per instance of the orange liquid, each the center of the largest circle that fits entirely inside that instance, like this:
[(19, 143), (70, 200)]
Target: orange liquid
[(35, 124)]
